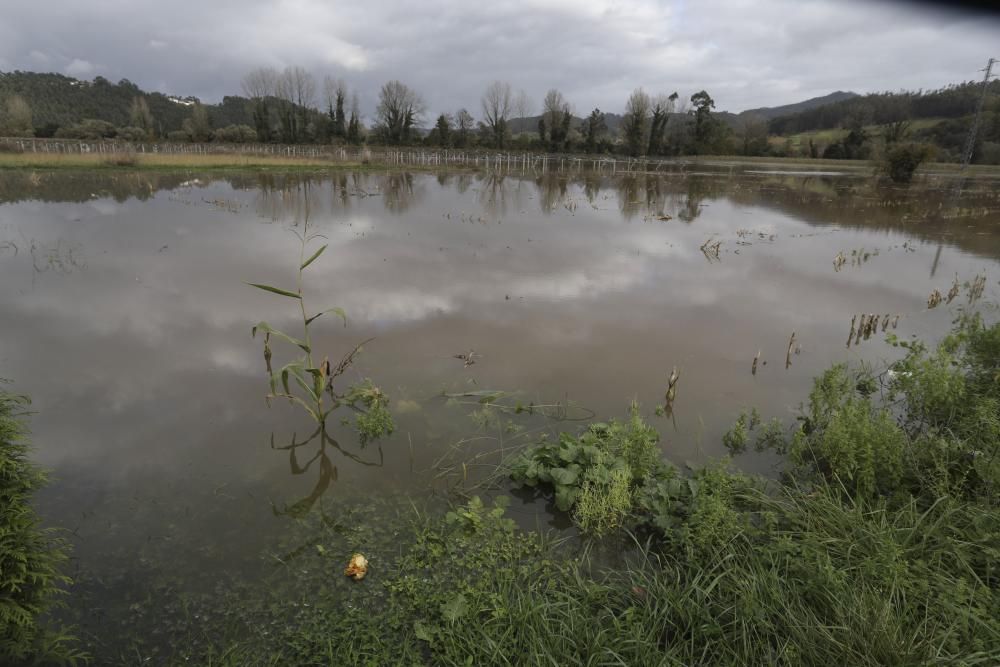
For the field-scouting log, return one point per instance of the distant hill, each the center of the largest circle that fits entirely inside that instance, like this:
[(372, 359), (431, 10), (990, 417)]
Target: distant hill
[(768, 113), (614, 120), (58, 100), (953, 101)]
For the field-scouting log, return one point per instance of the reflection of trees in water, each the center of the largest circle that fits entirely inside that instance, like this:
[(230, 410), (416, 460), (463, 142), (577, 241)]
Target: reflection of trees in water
[(287, 198), (82, 186), (494, 195), (552, 188), (399, 191), (592, 184), (641, 193), (700, 188), (463, 182)]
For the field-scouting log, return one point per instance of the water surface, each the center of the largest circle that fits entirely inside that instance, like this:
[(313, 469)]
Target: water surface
[(126, 316)]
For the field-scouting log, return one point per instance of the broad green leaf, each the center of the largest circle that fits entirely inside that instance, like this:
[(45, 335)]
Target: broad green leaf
[(566, 497), (313, 258), (455, 609), (565, 476), (275, 290), (423, 632), (266, 328), (338, 311)]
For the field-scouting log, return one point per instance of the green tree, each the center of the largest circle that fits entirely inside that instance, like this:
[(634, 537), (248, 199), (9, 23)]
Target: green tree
[(399, 109), (662, 107), (635, 124), (198, 127), (354, 124), (704, 124), (594, 129), (443, 130)]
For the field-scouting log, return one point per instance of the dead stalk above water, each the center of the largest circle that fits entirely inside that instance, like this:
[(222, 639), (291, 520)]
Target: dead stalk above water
[(953, 292), (788, 355), (671, 390), (753, 368), (934, 299)]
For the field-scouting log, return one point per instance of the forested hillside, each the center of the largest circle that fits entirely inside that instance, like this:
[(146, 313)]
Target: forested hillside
[(59, 101), (941, 118)]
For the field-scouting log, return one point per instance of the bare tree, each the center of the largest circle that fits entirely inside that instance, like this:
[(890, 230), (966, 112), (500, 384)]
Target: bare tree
[(301, 87), (497, 104), (523, 106), (399, 109), (259, 85)]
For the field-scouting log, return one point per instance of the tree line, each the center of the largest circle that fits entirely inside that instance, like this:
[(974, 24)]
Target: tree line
[(292, 106)]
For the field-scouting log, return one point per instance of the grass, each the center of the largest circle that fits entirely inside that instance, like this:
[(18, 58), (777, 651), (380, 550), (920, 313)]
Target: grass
[(823, 138), (167, 161), (234, 162)]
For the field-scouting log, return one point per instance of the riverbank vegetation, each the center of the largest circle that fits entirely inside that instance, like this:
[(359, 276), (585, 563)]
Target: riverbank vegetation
[(876, 544), (32, 558)]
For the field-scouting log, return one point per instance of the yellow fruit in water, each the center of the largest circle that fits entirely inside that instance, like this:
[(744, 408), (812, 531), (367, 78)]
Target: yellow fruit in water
[(357, 568)]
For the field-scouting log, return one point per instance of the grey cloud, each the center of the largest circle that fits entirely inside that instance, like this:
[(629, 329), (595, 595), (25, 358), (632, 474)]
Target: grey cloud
[(744, 53)]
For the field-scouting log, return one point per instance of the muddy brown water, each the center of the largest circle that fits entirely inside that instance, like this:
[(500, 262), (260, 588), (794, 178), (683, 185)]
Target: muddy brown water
[(124, 313)]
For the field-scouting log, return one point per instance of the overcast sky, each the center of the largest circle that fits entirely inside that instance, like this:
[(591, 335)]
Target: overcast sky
[(745, 53)]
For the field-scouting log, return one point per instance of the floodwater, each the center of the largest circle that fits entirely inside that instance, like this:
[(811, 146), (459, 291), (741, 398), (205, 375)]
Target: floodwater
[(125, 314)]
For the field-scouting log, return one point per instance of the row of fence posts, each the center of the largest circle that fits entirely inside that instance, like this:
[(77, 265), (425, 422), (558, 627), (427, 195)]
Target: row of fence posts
[(481, 159)]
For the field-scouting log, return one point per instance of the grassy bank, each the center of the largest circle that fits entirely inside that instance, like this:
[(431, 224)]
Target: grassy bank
[(165, 161), (235, 162), (878, 545)]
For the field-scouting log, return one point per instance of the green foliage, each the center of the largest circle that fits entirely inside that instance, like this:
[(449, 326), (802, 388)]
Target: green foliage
[(594, 472), (374, 421), (235, 134), (902, 159), (30, 556)]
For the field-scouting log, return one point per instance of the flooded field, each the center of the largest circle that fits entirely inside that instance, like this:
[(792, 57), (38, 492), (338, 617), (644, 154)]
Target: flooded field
[(126, 315)]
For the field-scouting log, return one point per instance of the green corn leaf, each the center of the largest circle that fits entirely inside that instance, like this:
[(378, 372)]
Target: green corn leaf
[(275, 290), (313, 258), (338, 311), (266, 328)]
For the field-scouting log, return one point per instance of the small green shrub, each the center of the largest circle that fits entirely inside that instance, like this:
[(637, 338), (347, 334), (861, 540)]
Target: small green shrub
[(902, 159)]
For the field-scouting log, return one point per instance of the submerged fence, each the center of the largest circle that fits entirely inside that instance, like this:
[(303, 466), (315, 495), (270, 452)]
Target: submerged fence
[(487, 159)]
